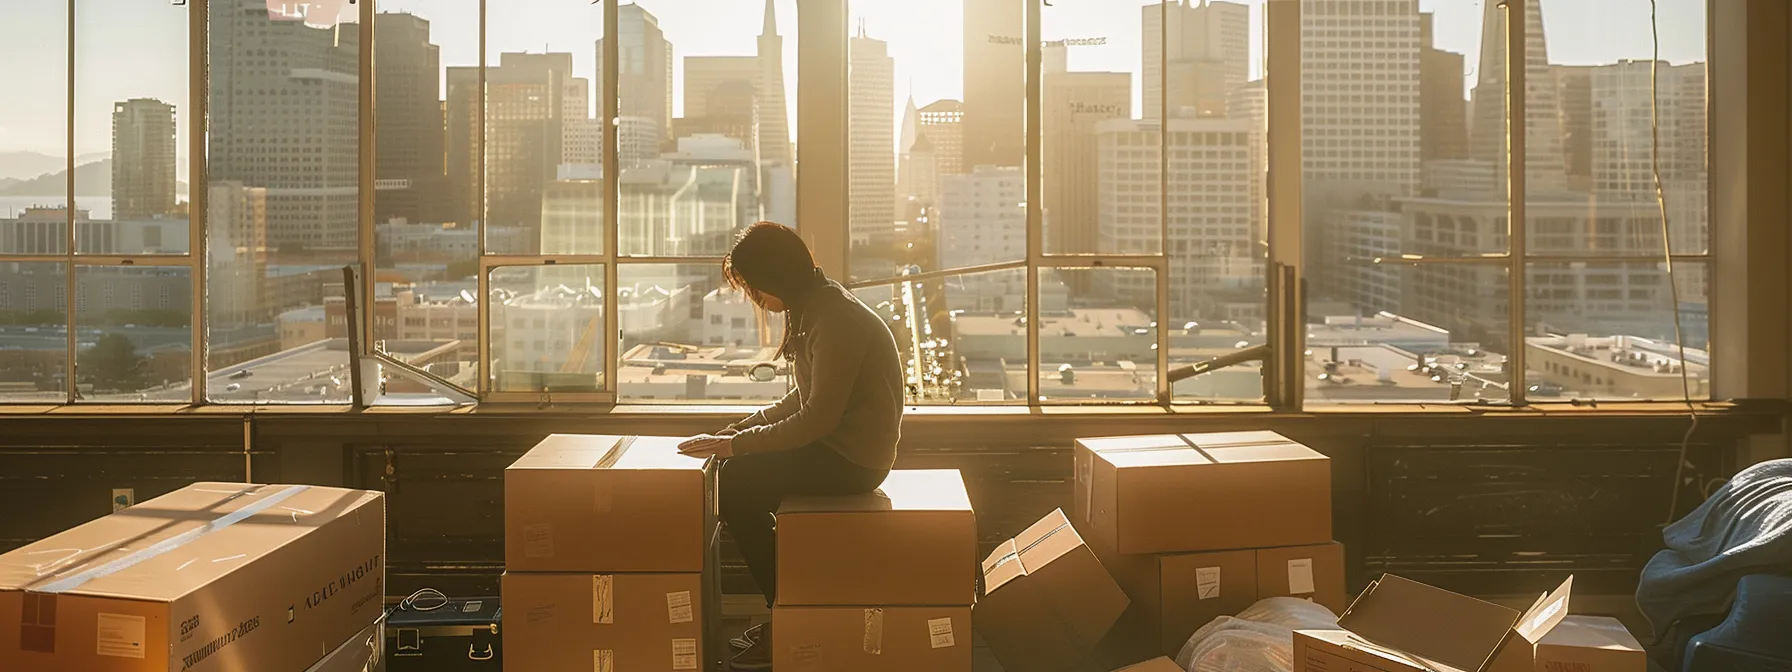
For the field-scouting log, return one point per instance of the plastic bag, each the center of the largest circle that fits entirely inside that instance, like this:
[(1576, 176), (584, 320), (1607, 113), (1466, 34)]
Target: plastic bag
[(1259, 639)]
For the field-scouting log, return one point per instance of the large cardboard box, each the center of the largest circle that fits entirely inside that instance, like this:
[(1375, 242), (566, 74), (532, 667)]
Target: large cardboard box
[(1046, 599), (912, 542), (1174, 595), (604, 622), (1590, 644), (1400, 625), (587, 503), (364, 652), (1201, 492), (871, 639), (211, 577)]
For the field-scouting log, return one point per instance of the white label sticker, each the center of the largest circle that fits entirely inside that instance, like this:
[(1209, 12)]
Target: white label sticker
[(684, 654), (874, 631), (1207, 582), (1300, 576), (603, 660), (120, 636), (603, 599), (939, 632), (538, 541), (678, 606)]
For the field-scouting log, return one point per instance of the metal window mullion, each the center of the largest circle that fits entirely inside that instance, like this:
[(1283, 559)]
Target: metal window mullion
[(647, 259), (483, 305), (1285, 386), (612, 167), (68, 208), (1162, 277), (496, 260), (1154, 262), (198, 192), (128, 261), (1516, 62), (365, 174), (1034, 190), (936, 275)]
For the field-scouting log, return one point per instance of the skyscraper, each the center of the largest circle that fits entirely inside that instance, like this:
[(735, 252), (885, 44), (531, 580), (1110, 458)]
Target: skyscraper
[(237, 254), (995, 76), (871, 138), (524, 138), (142, 159), (771, 111), (1443, 114), (1545, 167), (277, 83), (720, 96), (645, 75), (1209, 55), (409, 168), (942, 123), (1359, 86), (1574, 87), (1622, 164), (1074, 104)]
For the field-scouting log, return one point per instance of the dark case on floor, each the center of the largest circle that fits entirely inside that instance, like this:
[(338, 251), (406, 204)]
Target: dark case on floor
[(460, 635)]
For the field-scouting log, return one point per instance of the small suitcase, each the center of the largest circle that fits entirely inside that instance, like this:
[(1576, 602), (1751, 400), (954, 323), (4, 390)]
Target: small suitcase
[(432, 633)]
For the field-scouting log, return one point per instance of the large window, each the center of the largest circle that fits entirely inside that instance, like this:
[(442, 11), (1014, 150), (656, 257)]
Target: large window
[(537, 200)]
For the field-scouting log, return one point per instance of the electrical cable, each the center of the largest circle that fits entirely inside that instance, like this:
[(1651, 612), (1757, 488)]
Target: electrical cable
[(436, 600), (1667, 247)]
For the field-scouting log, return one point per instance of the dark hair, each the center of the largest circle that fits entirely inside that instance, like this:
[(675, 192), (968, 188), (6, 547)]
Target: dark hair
[(772, 259)]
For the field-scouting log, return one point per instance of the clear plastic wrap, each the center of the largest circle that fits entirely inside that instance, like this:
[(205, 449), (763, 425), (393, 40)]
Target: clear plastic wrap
[(1259, 639)]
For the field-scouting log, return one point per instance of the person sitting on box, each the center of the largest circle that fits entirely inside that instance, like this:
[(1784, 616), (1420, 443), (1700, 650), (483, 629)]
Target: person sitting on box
[(835, 434)]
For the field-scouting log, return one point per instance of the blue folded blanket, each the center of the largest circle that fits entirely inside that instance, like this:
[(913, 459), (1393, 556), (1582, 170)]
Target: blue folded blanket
[(1745, 527)]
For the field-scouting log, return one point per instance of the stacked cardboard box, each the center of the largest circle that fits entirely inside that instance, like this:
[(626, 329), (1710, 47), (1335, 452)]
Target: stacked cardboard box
[(1400, 625), (214, 576), (605, 543), (1198, 526), (1047, 601), (877, 582)]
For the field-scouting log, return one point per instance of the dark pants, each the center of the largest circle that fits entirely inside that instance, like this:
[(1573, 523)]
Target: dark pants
[(750, 488)]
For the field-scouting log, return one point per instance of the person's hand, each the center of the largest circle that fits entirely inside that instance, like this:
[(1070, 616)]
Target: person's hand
[(708, 445)]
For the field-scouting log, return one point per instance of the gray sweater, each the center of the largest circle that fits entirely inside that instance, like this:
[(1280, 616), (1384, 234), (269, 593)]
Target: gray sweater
[(849, 389)]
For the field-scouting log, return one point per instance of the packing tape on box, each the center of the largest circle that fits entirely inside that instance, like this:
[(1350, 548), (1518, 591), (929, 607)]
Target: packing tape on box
[(678, 607), (74, 581), (612, 456), (603, 660), (603, 599), (1085, 476), (874, 631), (1014, 556), (684, 654)]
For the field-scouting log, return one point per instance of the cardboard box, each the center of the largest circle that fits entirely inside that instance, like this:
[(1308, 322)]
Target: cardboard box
[(1174, 595), (875, 639), (1201, 492), (603, 621), (211, 577), (364, 652), (1590, 644), (1400, 625), (1046, 599), (583, 503), (913, 542), (1158, 664)]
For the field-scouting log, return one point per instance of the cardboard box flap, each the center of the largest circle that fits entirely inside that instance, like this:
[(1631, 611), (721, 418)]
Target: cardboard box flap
[(902, 490), (1545, 613), (1035, 547), (1002, 565), (169, 546), (1429, 623), (1276, 449), (1125, 443), (1590, 632), (1261, 437), (568, 451)]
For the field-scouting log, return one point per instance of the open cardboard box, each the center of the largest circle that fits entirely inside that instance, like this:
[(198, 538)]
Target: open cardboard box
[(1401, 625)]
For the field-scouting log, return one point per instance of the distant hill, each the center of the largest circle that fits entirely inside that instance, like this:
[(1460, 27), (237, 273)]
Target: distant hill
[(91, 179), (26, 165)]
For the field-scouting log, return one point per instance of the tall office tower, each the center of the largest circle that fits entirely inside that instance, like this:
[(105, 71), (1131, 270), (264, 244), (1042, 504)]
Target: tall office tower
[(1443, 113), (409, 167), (995, 77), (1074, 104), (942, 123), (461, 112), (645, 74), (277, 83), (1362, 132), (981, 218), (524, 111), (871, 138), (908, 135), (1209, 55), (1621, 132), (142, 159), (1250, 103), (771, 110), (1545, 168), (720, 95), (581, 134), (1574, 87), (1212, 254), (237, 254)]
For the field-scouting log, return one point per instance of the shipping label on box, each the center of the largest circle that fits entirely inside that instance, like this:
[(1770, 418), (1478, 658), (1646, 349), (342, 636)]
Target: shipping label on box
[(559, 621), (871, 639)]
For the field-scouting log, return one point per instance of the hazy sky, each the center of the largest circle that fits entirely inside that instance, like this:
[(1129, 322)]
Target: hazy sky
[(137, 48)]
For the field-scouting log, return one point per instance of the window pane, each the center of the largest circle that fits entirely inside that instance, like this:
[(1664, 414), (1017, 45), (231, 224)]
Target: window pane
[(133, 334), (1449, 345), (130, 135), (1600, 160), (937, 113), (688, 338), (34, 331), (34, 136), (958, 336), (1608, 331), (1097, 336), (282, 151), (547, 326), (542, 183)]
